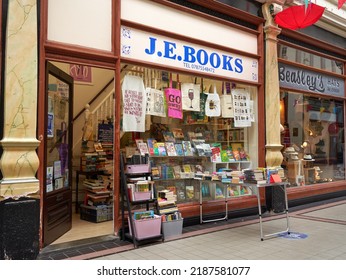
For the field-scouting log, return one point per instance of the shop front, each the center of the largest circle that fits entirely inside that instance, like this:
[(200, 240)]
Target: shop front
[(204, 96), (312, 110)]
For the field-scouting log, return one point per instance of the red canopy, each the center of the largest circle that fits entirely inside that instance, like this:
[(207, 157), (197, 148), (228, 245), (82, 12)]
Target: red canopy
[(296, 17), (340, 3)]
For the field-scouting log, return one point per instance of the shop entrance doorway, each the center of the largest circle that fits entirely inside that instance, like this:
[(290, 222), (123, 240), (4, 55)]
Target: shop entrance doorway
[(63, 220), (57, 198)]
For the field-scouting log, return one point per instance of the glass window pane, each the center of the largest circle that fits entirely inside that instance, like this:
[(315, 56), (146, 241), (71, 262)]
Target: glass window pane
[(309, 59), (313, 138)]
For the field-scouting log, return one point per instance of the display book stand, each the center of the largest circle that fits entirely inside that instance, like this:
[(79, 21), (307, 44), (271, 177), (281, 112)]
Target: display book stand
[(140, 230)]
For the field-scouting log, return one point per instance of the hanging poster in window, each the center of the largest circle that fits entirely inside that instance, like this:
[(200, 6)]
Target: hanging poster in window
[(241, 105), (174, 106), (50, 125), (212, 104), (190, 95), (57, 169), (134, 104), (156, 103), (49, 179)]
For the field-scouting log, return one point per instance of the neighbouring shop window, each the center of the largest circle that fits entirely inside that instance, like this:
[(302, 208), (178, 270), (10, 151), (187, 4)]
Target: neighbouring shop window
[(309, 59), (313, 138)]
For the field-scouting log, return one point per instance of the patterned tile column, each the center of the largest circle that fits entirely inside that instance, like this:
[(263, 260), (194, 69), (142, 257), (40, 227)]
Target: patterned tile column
[(19, 161), (272, 91)]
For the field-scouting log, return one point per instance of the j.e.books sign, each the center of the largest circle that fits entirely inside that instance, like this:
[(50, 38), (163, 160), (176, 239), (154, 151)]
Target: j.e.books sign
[(302, 79), (160, 50)]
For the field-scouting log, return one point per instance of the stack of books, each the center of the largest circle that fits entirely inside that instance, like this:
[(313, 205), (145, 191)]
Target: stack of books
[(166, 202), (97, 192), (254, 176), (237, 176)]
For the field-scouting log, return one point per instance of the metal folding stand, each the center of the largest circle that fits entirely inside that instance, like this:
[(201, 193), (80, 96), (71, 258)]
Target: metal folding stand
[(280, 185), (224, 187)]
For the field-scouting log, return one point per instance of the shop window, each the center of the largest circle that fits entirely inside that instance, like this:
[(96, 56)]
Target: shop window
[(309, 59), (313, 139), (216, 128)]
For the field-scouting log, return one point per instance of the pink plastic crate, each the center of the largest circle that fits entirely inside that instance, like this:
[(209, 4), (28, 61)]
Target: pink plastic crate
[(138, 168), (141, 196), (147, 227)]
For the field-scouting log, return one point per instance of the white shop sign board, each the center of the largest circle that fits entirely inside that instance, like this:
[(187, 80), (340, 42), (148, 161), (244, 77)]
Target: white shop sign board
[(160, 50)]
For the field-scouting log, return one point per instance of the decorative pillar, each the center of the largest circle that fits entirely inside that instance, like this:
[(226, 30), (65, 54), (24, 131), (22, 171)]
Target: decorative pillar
[(19, 161), (272, 91), (19, 187)]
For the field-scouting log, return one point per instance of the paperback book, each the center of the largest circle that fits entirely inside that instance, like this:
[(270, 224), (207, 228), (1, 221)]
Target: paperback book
[(178, 133), (151, 147), (187, 147), (179, 149), (168, 136), (143, 148), (170, 148), (161, 148)]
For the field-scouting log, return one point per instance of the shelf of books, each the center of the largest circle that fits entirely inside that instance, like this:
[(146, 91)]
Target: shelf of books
[(177, 156), (96, 165), (139, 201)]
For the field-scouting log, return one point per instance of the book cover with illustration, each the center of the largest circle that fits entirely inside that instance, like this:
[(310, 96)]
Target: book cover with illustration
[(178, 133), (168, 136), (155, 172), (179, 149), (177, 171), (230, 154), (207, 149), (143, 148), (187, 148), (236, 155), (190, 192), (219, 192), (161, 148), (215, 154), (170, 148), (198, 145), (187, 168), (233, 191), (224, 156), (143, 215), (139, 140), (151, 147)]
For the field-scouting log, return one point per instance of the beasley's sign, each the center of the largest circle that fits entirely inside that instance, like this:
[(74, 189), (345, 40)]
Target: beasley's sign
[(302, 79), (144, 46)]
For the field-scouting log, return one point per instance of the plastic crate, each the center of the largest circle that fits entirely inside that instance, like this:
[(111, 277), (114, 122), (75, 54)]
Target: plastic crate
[(137, 168), (137, 196), (97, 214), (172, 228), (147, 228)]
